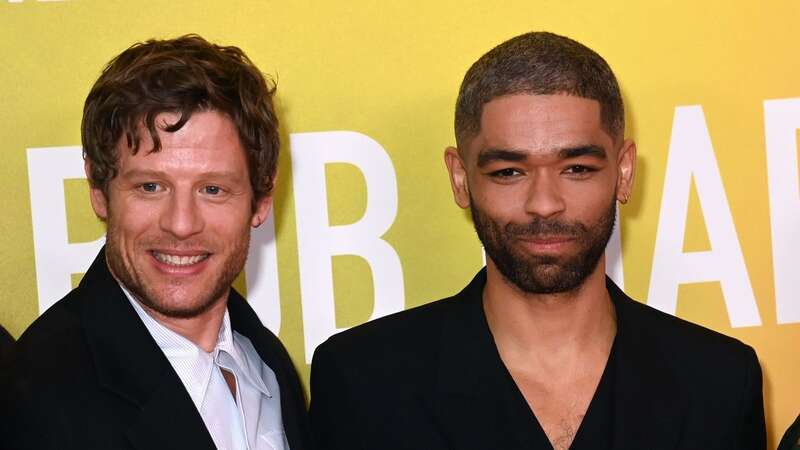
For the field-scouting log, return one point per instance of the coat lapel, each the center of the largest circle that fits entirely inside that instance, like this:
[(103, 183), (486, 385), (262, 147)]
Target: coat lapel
[(648, 404), (293, 406), (475, 405), (130, 364)]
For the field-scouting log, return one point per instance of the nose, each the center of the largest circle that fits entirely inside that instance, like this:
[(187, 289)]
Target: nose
[(182, 216), (545, 198)]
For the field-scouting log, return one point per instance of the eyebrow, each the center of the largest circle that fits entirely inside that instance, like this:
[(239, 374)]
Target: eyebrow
[(491, 155), (142, 173), (594, 151)]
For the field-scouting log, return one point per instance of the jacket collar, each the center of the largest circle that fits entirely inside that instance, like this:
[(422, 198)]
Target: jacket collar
[(293, 405), (649, 404), (475, 406), (129, 363)]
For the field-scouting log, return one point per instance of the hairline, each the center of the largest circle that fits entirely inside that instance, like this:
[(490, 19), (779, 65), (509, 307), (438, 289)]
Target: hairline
[(463, 141)]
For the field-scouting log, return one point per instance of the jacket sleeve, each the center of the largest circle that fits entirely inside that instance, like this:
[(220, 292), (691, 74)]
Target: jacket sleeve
[(752, 433), (333, 409)]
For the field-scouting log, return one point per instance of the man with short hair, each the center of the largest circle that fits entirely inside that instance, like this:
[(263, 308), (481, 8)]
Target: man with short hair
[(154, 349), (541, 350)]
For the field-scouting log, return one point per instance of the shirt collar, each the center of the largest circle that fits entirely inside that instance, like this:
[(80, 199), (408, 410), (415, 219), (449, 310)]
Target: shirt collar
[(170, 342), (233, 350)]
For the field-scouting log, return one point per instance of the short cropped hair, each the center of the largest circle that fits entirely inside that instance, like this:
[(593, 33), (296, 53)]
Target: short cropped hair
[(538, 63), (182, 76)]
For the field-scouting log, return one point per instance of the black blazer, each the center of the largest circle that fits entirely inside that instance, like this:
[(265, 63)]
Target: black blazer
[(6, 344), (791, 438), (428, 378), (88, 375)]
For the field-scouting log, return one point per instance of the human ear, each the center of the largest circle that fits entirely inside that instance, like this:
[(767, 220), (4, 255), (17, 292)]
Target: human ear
[(96, 195), (458, 176), (263, 205), (261, 211), (626, 170)]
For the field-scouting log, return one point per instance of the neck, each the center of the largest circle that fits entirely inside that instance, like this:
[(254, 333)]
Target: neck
[(202, 329), (550, 327)]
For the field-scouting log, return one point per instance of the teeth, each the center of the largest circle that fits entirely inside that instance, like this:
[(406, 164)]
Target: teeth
[(175, 260)]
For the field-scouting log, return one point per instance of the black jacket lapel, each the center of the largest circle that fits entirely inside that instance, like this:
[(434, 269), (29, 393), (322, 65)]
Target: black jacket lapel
[(648, 400), (476, 407), (169, 421), (293, 406), (130, 364)]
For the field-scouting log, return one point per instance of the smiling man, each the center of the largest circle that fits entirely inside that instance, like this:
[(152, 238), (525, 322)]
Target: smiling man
[(541, 350), (154, 350)]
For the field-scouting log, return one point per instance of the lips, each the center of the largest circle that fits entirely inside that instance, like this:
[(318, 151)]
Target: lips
[(180, 260), (545, 240), (546, 244)]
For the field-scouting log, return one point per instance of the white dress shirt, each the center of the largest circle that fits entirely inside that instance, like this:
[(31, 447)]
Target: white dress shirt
[(250, 421)]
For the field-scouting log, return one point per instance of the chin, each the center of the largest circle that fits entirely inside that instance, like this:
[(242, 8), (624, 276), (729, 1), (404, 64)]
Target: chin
[(183, 310)]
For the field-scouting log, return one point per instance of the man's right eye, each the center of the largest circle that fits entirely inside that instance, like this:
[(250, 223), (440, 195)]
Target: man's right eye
[(149, 187)]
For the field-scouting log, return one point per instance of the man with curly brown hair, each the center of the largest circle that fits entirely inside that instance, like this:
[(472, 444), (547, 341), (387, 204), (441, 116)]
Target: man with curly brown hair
[(154, 349)]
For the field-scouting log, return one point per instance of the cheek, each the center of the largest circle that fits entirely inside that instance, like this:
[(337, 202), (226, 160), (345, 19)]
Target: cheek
[(228, 220), (599, 187), (130, 220), (591, 207)]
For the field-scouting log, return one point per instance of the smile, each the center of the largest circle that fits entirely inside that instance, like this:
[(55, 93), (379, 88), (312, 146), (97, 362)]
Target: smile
[(178, 260)]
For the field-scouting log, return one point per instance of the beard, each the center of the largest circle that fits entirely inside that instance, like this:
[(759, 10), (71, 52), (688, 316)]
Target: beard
[(168, 297), (544, 274)]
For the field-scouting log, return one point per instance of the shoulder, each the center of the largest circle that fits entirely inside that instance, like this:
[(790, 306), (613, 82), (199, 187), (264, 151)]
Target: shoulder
[(50, 366), (703, 360), (718, 375), (393, 358), (414, 331), (411, 330), (405, 347), (687, 339), (53, 339), (57, 340)]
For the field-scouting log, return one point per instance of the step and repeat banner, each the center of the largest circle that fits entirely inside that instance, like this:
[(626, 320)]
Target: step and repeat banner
[(364, 222)]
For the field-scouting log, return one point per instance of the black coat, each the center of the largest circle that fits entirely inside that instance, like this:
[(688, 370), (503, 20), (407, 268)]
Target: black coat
[(88, 375), (427, 378), (791, 438)]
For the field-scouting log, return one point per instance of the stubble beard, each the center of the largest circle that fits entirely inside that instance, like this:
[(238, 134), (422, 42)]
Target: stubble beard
[(544, 274), (162, 301)]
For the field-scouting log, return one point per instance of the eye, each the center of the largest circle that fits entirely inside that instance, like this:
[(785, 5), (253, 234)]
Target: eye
[(505, 173), (150, 187), (212, 190), (579, 170)]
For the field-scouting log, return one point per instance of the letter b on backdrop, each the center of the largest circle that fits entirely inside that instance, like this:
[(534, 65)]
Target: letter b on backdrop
[(318, 241)]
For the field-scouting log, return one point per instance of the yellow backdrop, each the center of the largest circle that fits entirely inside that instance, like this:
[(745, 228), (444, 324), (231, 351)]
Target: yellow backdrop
[(711, 89)]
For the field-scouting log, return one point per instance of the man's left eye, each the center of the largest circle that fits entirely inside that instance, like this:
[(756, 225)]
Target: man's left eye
[(504, 173), (213, 190), (578, 169), (149, 187)]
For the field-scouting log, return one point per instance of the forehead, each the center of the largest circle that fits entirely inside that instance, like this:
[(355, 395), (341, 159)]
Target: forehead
[(540, 124), (208, 140)]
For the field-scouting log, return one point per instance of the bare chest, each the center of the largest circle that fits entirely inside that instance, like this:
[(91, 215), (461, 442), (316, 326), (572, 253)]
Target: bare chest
[(558, 404)]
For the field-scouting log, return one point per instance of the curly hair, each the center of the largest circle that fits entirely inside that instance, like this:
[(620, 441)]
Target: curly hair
[(538, 63), (182, 76)]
